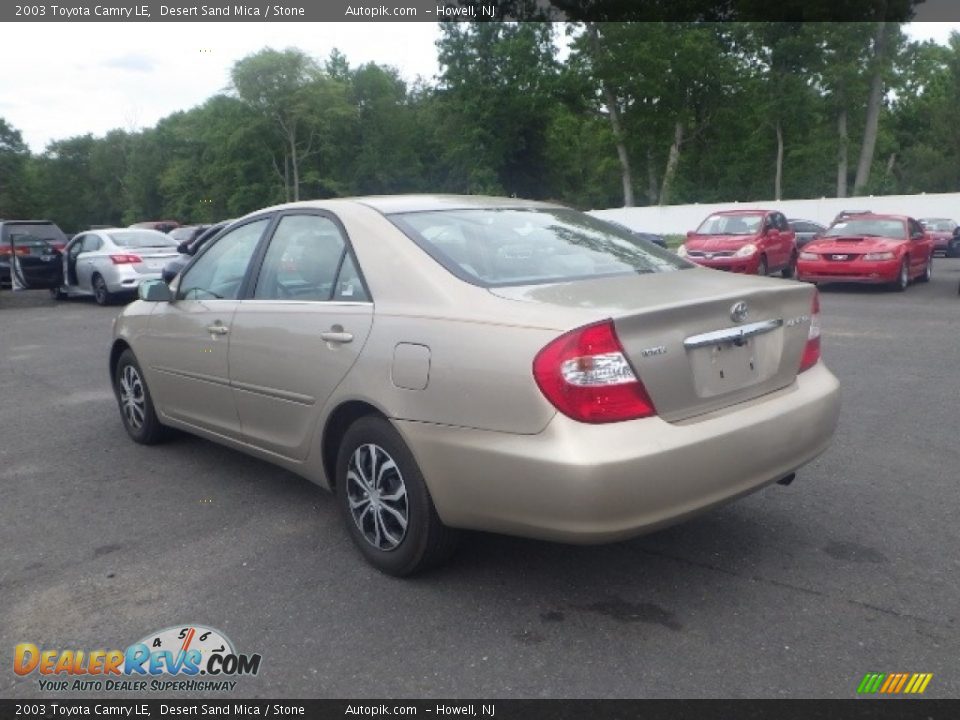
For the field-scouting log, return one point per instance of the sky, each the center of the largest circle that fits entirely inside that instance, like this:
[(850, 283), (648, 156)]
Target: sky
[(83, 78)]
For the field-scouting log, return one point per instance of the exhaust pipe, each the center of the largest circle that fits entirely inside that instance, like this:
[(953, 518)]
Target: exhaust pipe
[(788, 479)]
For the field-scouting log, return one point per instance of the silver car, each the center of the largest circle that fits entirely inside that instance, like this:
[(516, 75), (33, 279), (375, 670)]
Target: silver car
[(447, 363), (112, 262)]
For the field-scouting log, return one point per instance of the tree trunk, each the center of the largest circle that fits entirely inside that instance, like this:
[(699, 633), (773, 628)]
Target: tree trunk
[(626, 177), (294, 165), (873, 111), (842, 153), (652, 194), (778, 180), (673, 160)]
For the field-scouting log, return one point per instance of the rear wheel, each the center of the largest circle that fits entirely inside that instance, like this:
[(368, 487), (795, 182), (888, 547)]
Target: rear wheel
[(903, 277), (927, 271), (100, 292), (136, 406), (385, 503), (57, 294)]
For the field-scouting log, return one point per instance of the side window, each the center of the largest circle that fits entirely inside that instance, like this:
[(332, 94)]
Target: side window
[(782, 222), (349, 285), (219, 272), (91, 243), (303, 260), (916, 230)]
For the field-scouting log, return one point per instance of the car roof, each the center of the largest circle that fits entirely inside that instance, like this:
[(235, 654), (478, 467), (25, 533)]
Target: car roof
[(756, 211), (874, 216), (389, 204)]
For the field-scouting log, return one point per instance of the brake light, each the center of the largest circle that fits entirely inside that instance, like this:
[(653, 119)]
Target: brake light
[(125, 259), (585, 375), (811, 353), (4, 249)]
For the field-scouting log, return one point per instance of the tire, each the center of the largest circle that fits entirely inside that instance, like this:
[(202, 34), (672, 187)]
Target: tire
[(372, 447), (791, 269), (903, 277), (100, 292), (132, 394), (57, 294), (762, 268), (927, 271)]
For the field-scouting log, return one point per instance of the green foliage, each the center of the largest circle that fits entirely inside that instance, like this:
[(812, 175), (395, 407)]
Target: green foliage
[(510, 113)]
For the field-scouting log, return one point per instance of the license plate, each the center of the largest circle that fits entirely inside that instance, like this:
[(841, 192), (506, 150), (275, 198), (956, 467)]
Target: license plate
[(725, 367)]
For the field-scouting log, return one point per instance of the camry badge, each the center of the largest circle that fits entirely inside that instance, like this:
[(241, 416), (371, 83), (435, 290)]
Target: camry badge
[(739, 312)]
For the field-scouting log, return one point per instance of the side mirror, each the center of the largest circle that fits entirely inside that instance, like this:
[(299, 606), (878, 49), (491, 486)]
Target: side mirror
[(183, 247), (154, 291), (169, 274), (690, 234)]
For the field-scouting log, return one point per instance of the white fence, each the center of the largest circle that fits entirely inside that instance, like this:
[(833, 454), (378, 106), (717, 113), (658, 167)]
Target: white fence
[(678, 219)]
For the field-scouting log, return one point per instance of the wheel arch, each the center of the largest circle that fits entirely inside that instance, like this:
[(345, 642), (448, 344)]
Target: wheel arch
[(116, 350), (342, 417)]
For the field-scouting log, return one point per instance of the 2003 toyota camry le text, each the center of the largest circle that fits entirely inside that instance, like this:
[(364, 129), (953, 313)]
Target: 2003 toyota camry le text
[(445, 363)]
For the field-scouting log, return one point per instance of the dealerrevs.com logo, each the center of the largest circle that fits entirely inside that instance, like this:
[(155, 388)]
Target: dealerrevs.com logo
[(183, 658)]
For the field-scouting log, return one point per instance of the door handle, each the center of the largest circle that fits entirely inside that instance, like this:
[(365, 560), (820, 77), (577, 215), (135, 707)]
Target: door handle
[(218, 329), (336, 337)]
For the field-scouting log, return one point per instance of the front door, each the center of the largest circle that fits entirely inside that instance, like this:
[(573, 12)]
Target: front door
[(299, 334), (34, 260), (186, 348), (86, 260)]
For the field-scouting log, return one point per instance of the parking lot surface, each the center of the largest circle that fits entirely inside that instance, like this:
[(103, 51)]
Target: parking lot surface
[(792, 592)]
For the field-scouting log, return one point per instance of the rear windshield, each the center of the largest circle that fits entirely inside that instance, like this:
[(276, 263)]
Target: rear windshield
[(141, 239), (33, 234), (498, 247), (939, 225), (871, 227), (731, 225)]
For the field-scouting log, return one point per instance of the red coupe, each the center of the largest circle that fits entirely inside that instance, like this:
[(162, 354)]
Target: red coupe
[(941, 232), (757, 242), (879, 249)]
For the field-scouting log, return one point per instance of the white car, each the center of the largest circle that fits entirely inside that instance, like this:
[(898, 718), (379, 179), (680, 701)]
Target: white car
[(113, 262)]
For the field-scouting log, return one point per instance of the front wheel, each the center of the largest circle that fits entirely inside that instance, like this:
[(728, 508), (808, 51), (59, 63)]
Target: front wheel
[(791, 269), (100, 292), (136, 406), (385, 503), (927, 271), (903, 277), (762, 269)]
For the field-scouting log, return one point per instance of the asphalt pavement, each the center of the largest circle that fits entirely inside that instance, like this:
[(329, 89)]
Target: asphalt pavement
[(792, 592)]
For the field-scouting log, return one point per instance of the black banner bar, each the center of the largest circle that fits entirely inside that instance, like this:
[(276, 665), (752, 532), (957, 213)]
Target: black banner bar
[(859, 709), (475, 10)]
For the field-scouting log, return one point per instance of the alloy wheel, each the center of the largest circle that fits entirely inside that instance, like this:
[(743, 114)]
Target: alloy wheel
[(100, 291), (132, 397), (377, 497)]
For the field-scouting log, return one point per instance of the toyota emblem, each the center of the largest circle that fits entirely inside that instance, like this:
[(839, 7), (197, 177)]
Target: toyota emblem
[(739, 312)]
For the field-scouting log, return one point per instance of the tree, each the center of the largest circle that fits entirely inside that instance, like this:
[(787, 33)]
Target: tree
[(14, 155)]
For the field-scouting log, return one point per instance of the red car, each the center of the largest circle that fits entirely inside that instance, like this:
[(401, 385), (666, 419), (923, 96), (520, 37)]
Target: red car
[(879, 249), (941, 232), (757, 242)]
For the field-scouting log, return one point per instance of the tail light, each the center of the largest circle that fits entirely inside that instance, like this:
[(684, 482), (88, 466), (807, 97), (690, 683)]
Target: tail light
[(811, 353), (4, 249), (585, 375), (125, 259)]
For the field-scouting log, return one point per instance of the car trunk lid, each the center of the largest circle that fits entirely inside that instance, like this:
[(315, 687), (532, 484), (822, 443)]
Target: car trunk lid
[(686, 335)]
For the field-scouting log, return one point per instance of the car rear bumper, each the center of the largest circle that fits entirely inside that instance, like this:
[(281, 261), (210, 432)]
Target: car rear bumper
[(596, 483), (123, 278)]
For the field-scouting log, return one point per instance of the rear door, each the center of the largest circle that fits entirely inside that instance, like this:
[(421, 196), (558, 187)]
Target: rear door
[(186, 348), (34, 257), (299, 334)]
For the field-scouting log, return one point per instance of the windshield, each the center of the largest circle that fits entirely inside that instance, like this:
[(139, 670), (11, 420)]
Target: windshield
[(141, 239), (513, 246), (939, 225), (731, 225), (33, 234), (873, 227)]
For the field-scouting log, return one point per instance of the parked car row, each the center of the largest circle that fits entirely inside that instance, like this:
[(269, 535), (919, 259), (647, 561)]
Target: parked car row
[(859, 246)]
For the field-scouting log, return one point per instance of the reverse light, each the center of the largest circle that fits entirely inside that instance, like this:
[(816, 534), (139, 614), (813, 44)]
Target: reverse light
[(808, 256), (879, 256), (125, 259), (586, 376), (746, 251), (811, 352)]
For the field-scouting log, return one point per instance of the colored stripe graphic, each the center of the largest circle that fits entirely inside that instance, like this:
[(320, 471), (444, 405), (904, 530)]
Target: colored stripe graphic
[(894, 683)]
